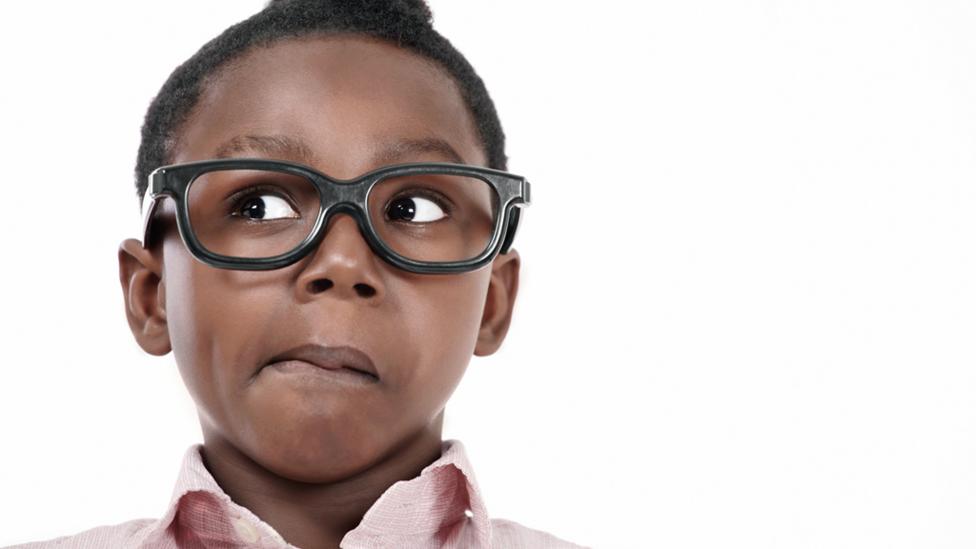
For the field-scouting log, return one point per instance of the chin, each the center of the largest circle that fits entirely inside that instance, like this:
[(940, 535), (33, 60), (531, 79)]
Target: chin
[(312, 458)]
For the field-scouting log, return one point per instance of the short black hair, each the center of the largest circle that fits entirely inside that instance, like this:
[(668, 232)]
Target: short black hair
[(406, 23)]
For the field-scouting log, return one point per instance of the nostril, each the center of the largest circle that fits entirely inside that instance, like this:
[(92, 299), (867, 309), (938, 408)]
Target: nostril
[(323, 284), (320, 285), (365, 290)]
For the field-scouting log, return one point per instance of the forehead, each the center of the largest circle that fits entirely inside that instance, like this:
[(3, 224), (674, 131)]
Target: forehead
[(350, 99)]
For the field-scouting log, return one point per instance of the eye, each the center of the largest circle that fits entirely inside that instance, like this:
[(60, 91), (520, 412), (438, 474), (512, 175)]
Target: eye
[(264, 206), (415, 208)]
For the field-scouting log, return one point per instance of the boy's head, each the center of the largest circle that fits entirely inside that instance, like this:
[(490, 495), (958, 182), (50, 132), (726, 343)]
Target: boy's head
[(352, 86)]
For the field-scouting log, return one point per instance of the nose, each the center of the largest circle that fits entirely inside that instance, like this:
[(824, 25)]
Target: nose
[(342, 264)]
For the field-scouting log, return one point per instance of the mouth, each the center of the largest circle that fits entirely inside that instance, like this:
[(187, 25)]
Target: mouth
[(331, 358)]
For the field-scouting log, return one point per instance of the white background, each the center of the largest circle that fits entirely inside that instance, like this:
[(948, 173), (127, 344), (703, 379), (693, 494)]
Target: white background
[(747, 307)]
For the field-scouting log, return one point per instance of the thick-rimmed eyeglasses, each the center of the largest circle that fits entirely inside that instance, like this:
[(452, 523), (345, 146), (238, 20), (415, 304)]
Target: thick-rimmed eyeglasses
[(260, 214)]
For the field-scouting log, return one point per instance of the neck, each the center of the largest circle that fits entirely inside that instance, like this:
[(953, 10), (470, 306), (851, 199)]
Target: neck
[(312, 515)]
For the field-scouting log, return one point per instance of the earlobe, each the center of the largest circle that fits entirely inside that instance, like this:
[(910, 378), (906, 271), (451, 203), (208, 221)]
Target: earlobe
[(144, 292), (500, 302)]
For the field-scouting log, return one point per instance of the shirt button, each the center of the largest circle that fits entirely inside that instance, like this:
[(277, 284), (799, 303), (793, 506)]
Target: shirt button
[(246, 530), (468, 513), (279, 541)]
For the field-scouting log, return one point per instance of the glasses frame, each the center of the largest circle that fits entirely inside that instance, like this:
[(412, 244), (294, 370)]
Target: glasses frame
[(337, 195)]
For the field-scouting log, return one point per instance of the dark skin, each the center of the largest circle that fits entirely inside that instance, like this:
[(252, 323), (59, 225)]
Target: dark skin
[(310, 459)]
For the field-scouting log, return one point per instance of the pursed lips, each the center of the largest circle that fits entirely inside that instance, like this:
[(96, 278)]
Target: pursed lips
[(330, 358)]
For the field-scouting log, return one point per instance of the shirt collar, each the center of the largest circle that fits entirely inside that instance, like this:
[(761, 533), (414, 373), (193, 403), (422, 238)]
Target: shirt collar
[(426, 506)]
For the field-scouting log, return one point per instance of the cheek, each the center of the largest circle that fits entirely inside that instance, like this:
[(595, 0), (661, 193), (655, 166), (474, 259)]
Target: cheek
[(445, 328), (189, 331), (208, 327)]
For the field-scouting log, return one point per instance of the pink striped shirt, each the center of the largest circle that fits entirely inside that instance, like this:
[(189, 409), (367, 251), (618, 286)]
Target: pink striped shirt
[(440, 508)]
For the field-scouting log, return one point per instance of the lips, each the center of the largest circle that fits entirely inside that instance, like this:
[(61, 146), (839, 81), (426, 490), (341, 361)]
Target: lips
[(330, 358)]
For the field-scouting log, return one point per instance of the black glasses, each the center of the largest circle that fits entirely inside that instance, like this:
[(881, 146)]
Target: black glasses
[(258, 214)]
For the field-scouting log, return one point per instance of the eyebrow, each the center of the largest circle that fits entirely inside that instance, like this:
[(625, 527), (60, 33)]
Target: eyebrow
[(397, 150), (274, 145), (387, 152)]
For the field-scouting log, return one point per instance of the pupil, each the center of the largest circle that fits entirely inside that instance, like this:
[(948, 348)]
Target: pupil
[(403, 208), (256, 206)]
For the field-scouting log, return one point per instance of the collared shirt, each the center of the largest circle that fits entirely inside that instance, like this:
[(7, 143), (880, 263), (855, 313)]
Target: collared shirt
[(441, 508)]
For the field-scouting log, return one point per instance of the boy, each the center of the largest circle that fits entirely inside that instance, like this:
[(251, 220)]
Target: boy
[(320, 350)]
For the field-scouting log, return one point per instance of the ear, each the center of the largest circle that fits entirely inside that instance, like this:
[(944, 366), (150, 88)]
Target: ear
[(502, 289), (144, 291)]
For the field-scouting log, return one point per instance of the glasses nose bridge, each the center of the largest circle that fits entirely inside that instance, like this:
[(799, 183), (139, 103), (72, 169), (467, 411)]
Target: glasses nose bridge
[(336, 192), (346, 203), (342, 196)]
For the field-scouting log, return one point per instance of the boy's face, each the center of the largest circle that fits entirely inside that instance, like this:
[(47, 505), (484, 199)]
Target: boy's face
[(357, 105)]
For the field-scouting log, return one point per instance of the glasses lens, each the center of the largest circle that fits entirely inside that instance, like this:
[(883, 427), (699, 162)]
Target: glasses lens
[(252, 213), (434, 217)]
